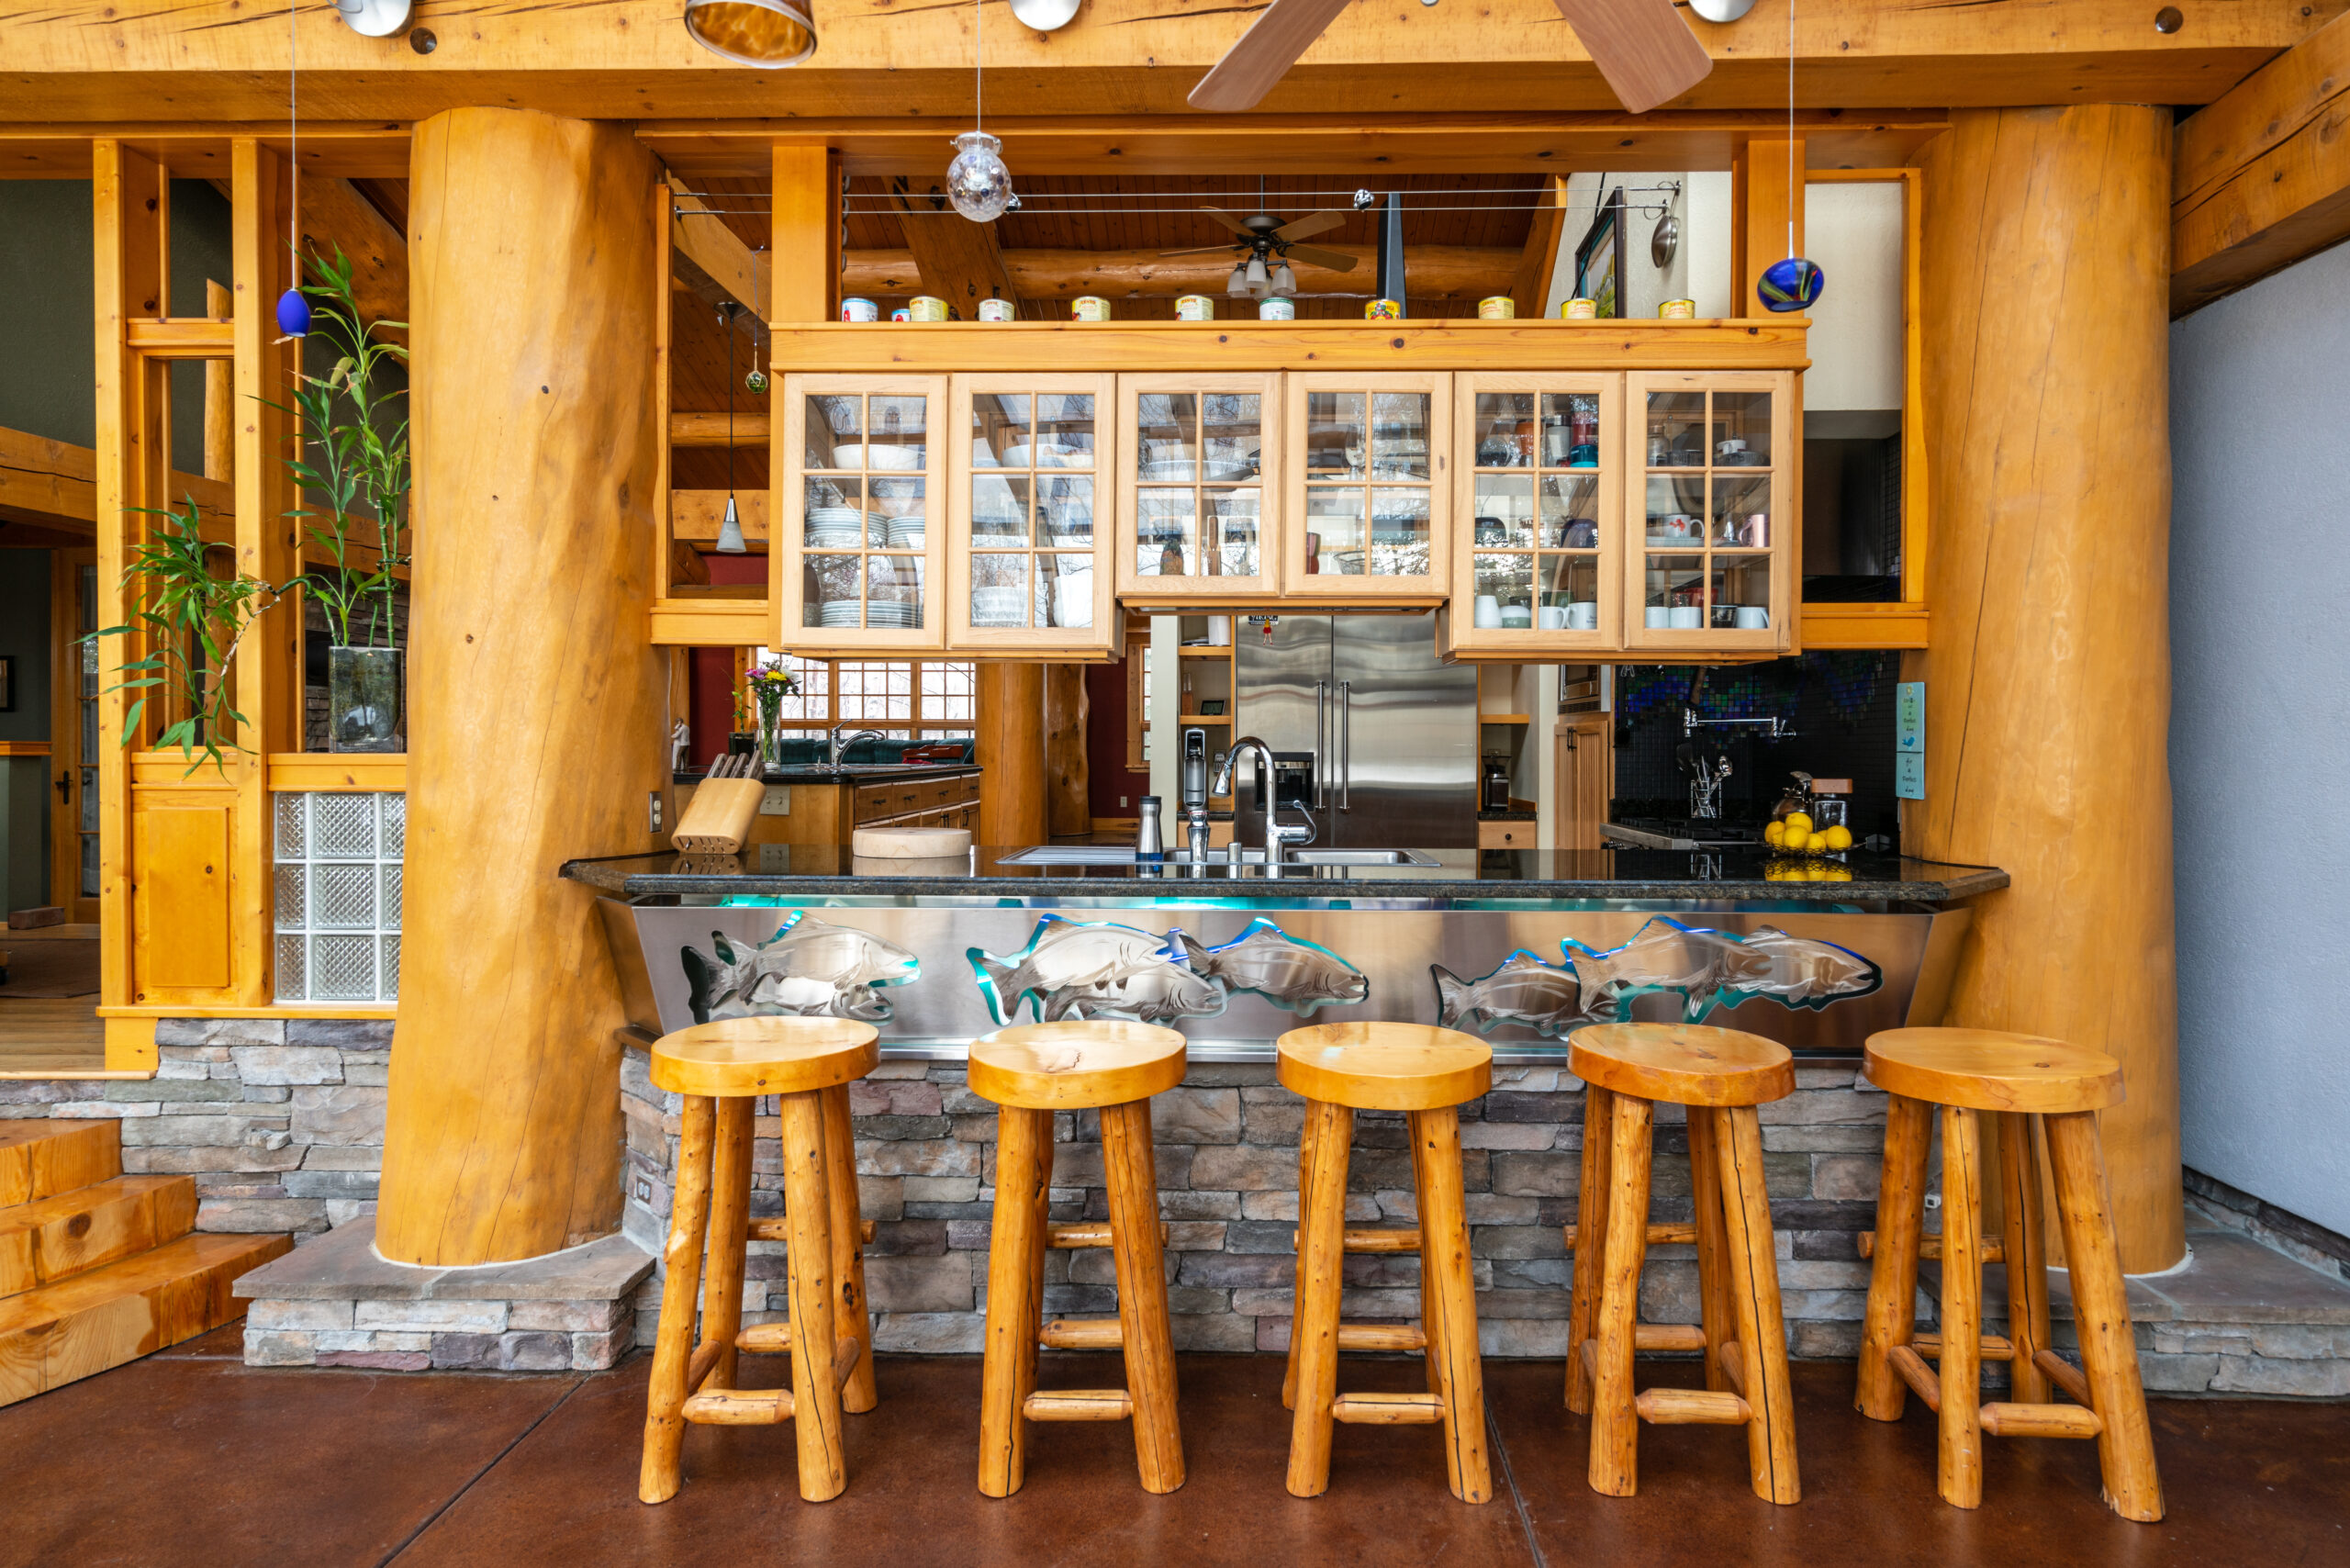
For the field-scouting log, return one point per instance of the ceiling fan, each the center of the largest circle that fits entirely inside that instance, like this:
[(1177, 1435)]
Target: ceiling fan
[(1265, 246), (1643, 48)]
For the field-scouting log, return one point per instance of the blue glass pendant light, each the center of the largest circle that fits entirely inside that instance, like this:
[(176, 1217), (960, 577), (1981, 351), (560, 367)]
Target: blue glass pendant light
[(1795, 283), (293, 314), (293, 311)]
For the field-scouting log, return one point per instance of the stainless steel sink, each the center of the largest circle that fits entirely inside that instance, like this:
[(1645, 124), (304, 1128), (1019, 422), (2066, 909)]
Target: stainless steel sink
[(1123, 854)]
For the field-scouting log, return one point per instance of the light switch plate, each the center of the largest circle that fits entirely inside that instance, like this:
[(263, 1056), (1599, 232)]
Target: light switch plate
[(776, 801)]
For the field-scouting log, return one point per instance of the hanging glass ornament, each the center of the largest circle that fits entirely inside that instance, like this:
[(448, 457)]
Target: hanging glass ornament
[(1793, 283), (977, 182), (294, 314), (755, 383)]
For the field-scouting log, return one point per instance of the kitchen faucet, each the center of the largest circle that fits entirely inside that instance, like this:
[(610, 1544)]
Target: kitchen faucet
[(840, 745), (1275, 835)]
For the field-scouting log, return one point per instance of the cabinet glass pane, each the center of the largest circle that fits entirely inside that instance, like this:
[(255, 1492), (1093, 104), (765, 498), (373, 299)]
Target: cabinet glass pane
[(1570, 432), (836, 514), (1742, 511), (1504, 427), (831, 422), (1676, 510), (1232, 426), (1065, 429), (1741, 430), (1399, 435), (833, 597), (864, 496), (894, 429), (1505, 510), (1334, 434), (1675, 592), (1065, 591), (896, 506), (1569, 517), (1167, 532), (1676, 436), (1504, 591), (1333, 529), (1740, 596), (999, 590), (1567, 593), (1000, 429), (1167, 425), (1026, 502), (1065, 510), (1399, 532), (893, 591), (1212, 443), (1232, 520)]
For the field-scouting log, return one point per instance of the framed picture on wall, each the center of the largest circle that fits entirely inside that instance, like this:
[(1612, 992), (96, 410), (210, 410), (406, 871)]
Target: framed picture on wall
[(1599, 260)]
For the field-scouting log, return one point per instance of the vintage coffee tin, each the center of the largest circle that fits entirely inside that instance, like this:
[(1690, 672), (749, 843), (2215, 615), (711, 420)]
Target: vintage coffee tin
[(1677, 310), (927, 307), (1277, 309), (995, 309), (1383, 310), (1195, 307), (1089, 307), (1498, 308), (1579, 310), (859, 310)]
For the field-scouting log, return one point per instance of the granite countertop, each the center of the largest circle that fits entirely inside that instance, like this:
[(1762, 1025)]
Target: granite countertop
[(1511, 816), (829, 870), (848, 773)]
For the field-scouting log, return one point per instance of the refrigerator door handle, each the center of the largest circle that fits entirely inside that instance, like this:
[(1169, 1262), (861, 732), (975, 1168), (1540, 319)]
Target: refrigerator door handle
[(1321, 738), (1346, 767)]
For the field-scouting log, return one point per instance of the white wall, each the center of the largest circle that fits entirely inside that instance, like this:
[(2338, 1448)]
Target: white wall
[(1645, 285), (2260, 734), (1853, 232)]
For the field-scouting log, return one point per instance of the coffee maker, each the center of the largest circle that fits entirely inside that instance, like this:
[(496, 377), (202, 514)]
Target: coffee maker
[(1492, 792)]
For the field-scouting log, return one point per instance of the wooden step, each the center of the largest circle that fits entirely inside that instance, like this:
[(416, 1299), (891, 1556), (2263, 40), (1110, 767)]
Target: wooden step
[(1924, 1380), (41, 1158), (1081, 1235), (1654, 1336), (1387, 1409), (1078, 1404), (73, 1233), (1691, 1407), (51, 1336)]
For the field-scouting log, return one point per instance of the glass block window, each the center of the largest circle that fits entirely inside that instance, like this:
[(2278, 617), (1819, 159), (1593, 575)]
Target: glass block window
[(337, 896)]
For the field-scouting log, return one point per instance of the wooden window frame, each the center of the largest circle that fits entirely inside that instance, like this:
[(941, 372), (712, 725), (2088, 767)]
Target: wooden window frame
[(918, 727)]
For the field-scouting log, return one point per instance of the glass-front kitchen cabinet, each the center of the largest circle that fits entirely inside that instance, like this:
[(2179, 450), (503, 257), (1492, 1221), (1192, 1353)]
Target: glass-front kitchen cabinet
[(1709, 565), (859, 545), (1368, 485), (1538, 543), (1028, 516), (1198, 486)]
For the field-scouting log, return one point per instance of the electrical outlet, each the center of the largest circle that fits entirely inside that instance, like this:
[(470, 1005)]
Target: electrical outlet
[(653, 812), (776, 801), (1122, 802), (643, 1190), (776, 858)]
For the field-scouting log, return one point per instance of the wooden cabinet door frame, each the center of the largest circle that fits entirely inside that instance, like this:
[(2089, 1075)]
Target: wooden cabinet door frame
[(67, 787), (1785, 553), (1585, 761), (1207, 589), (1096, 643), (1296, 581), (787, 539), (1457, 631)]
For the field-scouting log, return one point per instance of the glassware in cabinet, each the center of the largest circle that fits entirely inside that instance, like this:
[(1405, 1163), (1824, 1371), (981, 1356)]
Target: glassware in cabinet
[(857, 561), (1368, 485), (1030, 515), (1712, 531), (1537, 546), (1199, 481)]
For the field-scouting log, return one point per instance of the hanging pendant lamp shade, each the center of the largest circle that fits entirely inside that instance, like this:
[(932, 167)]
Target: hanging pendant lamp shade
[(729, 532), (1237, 284), (770, 34), (1259, 280), (1284, 281), (293, 314)]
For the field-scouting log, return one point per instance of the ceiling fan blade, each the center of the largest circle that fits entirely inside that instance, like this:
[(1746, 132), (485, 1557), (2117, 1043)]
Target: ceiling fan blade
[(1199, 250), (1229, 221), (1312, 223), (1314, 256), (1643, 48), (1265, 52)]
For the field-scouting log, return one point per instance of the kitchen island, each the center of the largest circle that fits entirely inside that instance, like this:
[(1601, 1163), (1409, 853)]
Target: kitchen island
[(815, 805), (1523, 945)]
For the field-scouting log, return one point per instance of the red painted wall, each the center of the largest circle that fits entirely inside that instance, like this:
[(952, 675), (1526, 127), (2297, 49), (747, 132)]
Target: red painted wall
[(711, 678), (1105, 743)]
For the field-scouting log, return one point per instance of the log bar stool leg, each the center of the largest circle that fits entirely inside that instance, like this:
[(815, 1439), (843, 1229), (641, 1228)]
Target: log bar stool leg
[(1133, 1182), (1433, 1356), (1891, 1318), (1016, 1246), (730, 1217), (1448, 1296), (851, 1319), (1615, 1426), (1314, 1324), (1305, 1185), (2125, 1446), (1962, 1318), (815, 1388), (1591, 1242), (1717, 1312), (664, 1426), (2025, 1232), (1752, 1275)]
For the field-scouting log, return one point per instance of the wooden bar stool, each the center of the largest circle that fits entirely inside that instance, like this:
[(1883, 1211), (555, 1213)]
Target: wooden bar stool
[(1031, 1070), (1428, 1073), (722, 1069), (2034, 1086), (1720, 1075)]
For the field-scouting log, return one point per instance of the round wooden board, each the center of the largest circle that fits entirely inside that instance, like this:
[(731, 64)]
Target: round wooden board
[(910, 843)]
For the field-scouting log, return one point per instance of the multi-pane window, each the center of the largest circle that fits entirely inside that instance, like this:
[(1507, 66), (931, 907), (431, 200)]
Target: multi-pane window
[(906, 698), (338, 892)]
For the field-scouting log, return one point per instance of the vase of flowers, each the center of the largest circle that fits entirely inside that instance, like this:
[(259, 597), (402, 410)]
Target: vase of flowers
[(770, 684)]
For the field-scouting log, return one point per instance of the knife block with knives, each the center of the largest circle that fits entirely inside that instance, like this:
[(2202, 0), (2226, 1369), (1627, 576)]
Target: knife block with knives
[(718, 820)]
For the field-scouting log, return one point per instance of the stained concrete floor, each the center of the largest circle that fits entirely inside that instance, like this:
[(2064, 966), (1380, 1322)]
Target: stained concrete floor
[(191, 1458)]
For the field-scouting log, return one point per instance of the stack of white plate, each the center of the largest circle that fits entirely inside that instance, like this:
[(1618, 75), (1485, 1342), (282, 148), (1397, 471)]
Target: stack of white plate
[(853, 455), (906, 533), (835, 528), (999, 533), (1165, 469), (893, 613), (876, 529), (838, 612), (998, 606)]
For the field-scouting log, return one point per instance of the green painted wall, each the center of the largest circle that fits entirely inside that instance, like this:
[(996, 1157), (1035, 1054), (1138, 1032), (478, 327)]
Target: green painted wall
[(24, 780)]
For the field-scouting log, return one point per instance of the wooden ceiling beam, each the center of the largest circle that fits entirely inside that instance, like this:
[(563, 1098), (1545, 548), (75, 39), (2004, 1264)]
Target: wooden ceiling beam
[(1439, 272), (956, 258), (336, 217), (1531, 285), (2261, 178), (84, 60), (711, 258)]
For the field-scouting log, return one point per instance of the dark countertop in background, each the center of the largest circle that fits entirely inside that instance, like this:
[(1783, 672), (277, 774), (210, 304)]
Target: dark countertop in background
[(829, 870), (848, 773), (1510, 816)]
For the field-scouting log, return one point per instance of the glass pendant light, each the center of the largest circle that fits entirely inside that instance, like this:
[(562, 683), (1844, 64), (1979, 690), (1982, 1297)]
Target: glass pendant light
[(770, 34), (293, 311), (1260, 281), (1284, 281), (1793, 283), (730, 530), (977, 184), (1237, 284)]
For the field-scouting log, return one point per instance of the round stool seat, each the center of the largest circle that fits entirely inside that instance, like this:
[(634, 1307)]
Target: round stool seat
[(1683, 1064), (765, 1056), (1071, 1066), (1385, 1066), (1990, 1070)]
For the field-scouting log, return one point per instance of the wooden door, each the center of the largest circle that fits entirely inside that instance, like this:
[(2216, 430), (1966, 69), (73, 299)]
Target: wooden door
[(73, 734), (1370, 488), (1586, 778), (858, 536), (1537, 550), (1029, 516), (1711, 516), (1199, 488)]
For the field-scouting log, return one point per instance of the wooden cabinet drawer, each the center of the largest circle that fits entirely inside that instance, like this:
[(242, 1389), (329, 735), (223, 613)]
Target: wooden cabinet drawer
[(1505, 836), (875, 801)]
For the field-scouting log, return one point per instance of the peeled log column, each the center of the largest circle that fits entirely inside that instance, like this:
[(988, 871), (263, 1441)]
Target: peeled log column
[(536, 699), (1012, 802), (2046, 279)]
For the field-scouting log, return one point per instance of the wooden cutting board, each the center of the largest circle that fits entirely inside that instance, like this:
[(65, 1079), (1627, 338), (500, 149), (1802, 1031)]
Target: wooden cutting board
[(910, 843)]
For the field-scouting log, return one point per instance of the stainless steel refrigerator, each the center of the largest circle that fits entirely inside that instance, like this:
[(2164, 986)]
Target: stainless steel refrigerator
[(1389, 732)]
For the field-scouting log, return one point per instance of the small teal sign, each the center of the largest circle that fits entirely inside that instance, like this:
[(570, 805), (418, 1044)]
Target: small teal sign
[(1909, 718)]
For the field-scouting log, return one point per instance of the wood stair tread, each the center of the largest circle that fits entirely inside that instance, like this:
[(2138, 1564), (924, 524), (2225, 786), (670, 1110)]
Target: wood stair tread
[(39, 1158), (71, 1233), (59, 1333)]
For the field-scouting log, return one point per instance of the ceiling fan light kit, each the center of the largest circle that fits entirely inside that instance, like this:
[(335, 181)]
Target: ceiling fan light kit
[(373, 19), (768, 34)]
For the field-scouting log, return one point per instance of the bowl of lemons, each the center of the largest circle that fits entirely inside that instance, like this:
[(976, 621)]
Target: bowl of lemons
[(1799, 850)]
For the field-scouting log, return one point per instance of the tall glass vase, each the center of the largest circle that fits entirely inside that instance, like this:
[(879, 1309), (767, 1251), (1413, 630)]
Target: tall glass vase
[(364, 706)]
